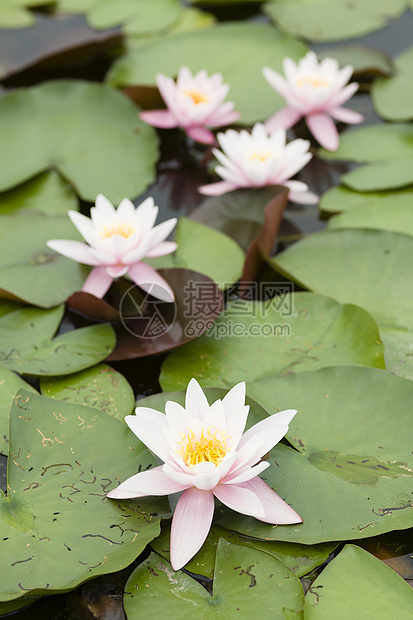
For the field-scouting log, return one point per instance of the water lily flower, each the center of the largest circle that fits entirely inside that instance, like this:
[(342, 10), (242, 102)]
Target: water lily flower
[(193, 103), (119, 239), (315, 91), (206, 454), (256, 159)]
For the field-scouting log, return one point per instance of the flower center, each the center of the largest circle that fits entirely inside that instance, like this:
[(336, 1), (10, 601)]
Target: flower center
[(263, 156), (196, 96), (316, 82), (124, 229), (210, 447)]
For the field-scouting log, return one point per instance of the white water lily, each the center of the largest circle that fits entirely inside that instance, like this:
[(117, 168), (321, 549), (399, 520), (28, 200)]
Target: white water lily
[(206, 455), (256, 159), (118, 241)]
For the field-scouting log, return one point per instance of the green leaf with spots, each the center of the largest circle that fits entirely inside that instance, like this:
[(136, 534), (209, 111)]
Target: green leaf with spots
[(28, 346), (289, 333), (48, 193), (369, 268), (100, 387), (10, 384), (393, 96), (238, 51), (29, 270), (58, 528), (333, 20), (301, 559), (246, 582), (349, 474), (206, 251), (358, 585), (88, 132)]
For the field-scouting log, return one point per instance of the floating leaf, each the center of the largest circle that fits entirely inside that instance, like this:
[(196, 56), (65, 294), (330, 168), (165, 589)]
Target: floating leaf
[(366, 61), (58, 474), (60, 125), (13, 13), (100, 387), (246, 582), (301, 559), (238, 51), (10, 384), (333, 20), (137, 18), (357, 585), (369, 268), (393, 96), (48, 193), (28, 346), (381, 175), (350, 473), (289, 333), (206, 251), (341, 199)]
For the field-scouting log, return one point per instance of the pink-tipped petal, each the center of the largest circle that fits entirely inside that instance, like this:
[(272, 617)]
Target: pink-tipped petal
[(277, 511), (240, 499), (283, 119), (159, 118), (150, 281), (151, 482), (217, 189), (98, 282), (200, 134), (117, 271), (149, 431), (75, 250), (346, 116), (166, 247), (324, 130), (190, 525)]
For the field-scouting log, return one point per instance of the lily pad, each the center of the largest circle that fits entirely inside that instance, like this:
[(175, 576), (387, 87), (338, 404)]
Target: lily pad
[(366, 61), (246, 582), (287, 334), (29, 270), (333, 20), (369, 268), (48, 193), (393, 212), (238, 51), (381, 175), (393, 96), (206, 251), (60, 125), (58, 473), (350, 473), (28, 346), (100, 387), (10, 384), (14, 13), (341, 199), (301, 559), (357, 585), (136, 16)]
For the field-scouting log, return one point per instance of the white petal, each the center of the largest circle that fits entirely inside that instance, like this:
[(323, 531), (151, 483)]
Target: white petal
[(195, 401)]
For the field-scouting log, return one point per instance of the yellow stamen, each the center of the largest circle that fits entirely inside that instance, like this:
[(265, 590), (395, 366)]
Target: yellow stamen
[(314, 81), (196, 96), (210, 447), (124, 229), (261, 156)]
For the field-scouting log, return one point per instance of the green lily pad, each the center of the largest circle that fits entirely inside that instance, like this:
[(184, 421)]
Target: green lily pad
[(48, 193), (288, 334), (100, 387), (28, 346), (365, 60), (136, 16), (246, 582), (88, 132), (301, 559), (10, 384), (206, 251), (381, 175), (7, 306), (357, 585), (341, 199), (392, 212), (350, 473), (58, 474), (333, 20), (29, 270), (393, 96), (369, 268), (238, 51), (13, 13)]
